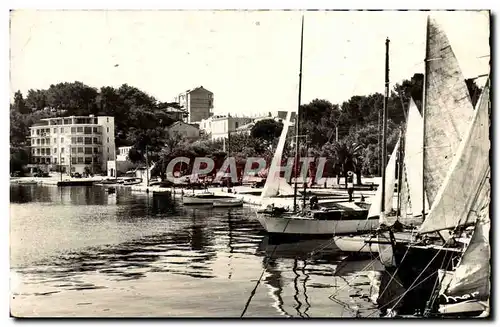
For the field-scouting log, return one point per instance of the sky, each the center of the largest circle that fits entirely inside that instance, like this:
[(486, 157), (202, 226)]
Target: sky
[(248, 59)]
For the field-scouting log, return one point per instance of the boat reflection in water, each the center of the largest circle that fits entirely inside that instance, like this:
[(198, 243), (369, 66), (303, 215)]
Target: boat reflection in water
[(361, 285), (312, 266)]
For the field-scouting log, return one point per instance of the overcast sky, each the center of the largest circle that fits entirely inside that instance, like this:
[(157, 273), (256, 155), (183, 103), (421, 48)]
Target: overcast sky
[(249, 60)]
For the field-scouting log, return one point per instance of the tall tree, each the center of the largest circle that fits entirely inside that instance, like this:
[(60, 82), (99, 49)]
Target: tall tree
[(20, 104)]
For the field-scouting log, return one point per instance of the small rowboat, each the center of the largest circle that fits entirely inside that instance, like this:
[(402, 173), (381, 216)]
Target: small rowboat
[(228, 202)]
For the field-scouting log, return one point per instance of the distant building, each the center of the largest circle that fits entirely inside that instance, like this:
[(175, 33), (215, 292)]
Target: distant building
[(74, 143), (176, 114), (219, 126), (188, 131), (198, 103)]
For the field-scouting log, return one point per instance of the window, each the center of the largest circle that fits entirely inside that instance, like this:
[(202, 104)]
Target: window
[(42, 160), (79, 140), (37, 132), (88, 150), (55, 150), (96, 150), (236, 125), (67, 121), (62, 130), (38, 141), (80, 150), (107, 129), (108, 149), (80, 159), (47, 151), (73, 140), (73, 160), (73, 150), (88, 140), (79, 129), (48, 160), (88, 160), (43, 151), (55, 140), (62, 150), (108, 139), (62, 139), (32, 141), (33, 132), (55, 130), (38, 151), (55, 161), (43, 141), (34, 151), (47, 141), (87, 130), (73, 130), (107, 119), (95, 140), (62, 160), (95, 129)]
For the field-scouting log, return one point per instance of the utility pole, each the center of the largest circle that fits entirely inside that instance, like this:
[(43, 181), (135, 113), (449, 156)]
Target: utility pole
[(384, 125)]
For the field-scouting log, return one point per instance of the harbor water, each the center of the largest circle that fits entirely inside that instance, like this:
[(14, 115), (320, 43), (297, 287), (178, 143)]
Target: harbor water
[(81, 252)]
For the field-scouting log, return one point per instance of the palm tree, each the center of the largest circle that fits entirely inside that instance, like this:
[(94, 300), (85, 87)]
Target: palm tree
[(349, 157)]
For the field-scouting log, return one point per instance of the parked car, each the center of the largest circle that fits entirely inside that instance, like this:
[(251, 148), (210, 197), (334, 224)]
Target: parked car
[(76, 175), (41, 174)]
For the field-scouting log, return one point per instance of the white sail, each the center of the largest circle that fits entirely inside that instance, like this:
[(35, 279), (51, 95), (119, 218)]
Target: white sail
[(448, 109), (273, 182), (390, 180), (413, 160), (466, 182), (471, 279)]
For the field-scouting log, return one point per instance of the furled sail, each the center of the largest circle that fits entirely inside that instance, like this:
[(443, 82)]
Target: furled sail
[(412, 192), (466, 183), (471, 279), (448, 109), (390, 180), (273, 182)]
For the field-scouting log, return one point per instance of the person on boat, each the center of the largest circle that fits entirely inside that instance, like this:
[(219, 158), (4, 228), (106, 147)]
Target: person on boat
[(313, 202), (350, 188)]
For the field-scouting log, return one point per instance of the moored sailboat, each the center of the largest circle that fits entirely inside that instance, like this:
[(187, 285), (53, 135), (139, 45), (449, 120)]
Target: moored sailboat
[(338, 218)]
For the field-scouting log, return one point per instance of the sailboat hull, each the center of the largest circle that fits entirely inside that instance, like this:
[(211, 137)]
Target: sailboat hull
[(309, 226)]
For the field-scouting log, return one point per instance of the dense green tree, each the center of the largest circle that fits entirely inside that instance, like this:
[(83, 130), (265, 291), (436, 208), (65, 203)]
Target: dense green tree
[(267, 129), (20, 103)]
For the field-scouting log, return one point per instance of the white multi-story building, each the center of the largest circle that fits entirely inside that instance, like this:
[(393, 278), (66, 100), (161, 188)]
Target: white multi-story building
[(219, 126), (74, 143)]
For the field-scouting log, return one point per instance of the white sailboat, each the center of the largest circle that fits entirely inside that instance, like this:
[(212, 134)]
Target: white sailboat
[(336, 219)]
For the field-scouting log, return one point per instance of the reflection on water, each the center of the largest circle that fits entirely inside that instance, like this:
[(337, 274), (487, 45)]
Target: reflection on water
[(79, 245)]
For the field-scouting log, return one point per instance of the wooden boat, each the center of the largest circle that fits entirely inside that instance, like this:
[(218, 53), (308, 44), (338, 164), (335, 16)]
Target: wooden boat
[(134, 181), (203, 198), (233, 202), (27, 182)]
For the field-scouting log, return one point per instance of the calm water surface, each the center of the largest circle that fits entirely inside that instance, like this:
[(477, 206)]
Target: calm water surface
[(78, 251)]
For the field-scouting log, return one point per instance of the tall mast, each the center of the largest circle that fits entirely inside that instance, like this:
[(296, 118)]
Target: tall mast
[(384, 125), (400, 171), (297, 118), (423, 118)]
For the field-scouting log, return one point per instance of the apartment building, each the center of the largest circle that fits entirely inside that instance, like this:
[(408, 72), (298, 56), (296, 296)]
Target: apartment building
[(197, 103), (74, 143)]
